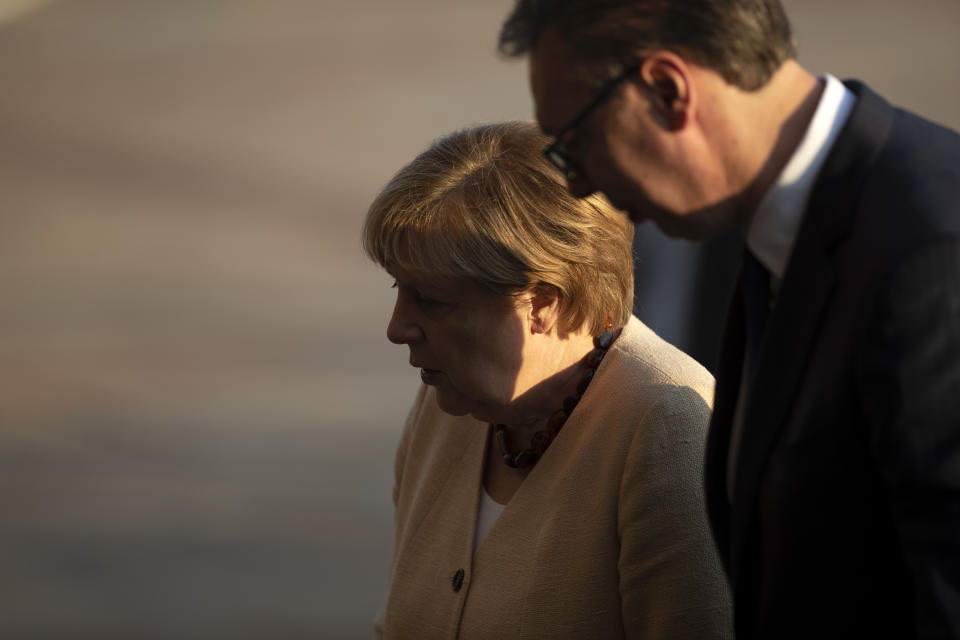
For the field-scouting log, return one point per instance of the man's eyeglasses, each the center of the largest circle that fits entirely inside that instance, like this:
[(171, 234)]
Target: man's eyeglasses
[(557, 152)]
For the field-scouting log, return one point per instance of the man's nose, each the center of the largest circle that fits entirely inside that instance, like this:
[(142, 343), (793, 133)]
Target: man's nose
[(402, 329), (580, 186)]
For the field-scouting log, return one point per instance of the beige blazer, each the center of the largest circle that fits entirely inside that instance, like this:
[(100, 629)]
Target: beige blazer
[(607, 536)]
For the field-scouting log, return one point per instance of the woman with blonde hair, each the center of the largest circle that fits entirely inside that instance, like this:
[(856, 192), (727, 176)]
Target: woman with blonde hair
[(548, 479)]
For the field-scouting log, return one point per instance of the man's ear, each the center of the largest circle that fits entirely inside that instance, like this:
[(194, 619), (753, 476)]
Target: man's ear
[(545, 304), (669, 82)]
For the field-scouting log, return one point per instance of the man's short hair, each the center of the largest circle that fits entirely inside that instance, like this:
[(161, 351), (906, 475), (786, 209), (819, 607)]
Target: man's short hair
[(745, 41), (485, 204)]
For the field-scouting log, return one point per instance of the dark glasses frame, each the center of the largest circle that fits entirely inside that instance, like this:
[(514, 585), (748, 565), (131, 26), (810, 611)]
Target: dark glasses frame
[(557, 152)]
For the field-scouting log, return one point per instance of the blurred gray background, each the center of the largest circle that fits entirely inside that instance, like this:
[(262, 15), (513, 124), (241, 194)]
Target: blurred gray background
[(198, 405)]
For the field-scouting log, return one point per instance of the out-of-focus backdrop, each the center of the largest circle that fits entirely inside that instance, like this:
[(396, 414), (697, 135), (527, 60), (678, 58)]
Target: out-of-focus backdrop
[(198, 406)]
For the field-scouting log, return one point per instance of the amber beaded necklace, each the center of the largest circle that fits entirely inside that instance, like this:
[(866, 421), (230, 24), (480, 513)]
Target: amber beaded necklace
[(542, 439)]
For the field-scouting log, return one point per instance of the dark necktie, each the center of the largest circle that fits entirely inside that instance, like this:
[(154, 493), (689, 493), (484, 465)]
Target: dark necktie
[(755, 284), (755, 280)]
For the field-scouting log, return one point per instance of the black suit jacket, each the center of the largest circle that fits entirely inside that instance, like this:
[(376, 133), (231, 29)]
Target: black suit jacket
[(845, 521)]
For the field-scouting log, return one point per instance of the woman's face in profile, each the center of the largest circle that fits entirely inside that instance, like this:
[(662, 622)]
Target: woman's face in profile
[(466, 340)]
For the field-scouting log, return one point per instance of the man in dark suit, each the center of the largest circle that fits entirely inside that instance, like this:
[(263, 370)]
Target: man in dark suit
[(833, 461)]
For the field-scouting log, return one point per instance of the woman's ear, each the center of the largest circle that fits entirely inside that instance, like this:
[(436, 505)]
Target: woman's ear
[(669, 82), (545, 304)]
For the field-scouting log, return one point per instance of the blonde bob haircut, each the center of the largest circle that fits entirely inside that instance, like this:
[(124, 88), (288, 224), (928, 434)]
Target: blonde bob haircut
[(483, 203)]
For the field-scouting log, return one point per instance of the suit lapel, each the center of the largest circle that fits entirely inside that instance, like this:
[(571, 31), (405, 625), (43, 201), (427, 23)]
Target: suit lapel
[(804, 295), (729, 367)]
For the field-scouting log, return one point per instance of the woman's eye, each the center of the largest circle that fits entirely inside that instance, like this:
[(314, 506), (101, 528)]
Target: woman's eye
[(428, 302), (417, 297)]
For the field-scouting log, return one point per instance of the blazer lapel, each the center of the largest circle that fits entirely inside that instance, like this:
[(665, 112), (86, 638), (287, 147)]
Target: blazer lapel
[(804, 294)]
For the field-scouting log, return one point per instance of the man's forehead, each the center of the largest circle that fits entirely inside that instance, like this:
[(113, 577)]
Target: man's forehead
[(556, 96)]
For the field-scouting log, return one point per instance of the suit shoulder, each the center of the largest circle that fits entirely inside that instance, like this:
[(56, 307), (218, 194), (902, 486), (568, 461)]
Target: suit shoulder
[(916, 177)]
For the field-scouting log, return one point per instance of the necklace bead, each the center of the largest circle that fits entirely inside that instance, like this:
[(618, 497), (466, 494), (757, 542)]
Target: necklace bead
[(542, 439)]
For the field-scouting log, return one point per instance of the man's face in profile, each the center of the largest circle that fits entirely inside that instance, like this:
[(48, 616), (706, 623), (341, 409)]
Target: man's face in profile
[(621, 147)]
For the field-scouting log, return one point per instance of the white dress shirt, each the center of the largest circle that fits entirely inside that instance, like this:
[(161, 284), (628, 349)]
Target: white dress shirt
[(487, 514)]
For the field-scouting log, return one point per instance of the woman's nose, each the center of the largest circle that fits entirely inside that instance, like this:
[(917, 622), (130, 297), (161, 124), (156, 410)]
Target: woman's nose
[(401, 329)]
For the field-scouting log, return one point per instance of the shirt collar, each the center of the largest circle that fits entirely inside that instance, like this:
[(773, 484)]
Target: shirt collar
[(775, 224)]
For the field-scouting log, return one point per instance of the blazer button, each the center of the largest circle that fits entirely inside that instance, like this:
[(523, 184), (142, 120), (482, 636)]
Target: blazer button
[(457, 580)]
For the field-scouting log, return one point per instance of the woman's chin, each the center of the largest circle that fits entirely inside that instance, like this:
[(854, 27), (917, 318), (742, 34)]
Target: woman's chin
[(452, 403), (453, 410), (431, 376)]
